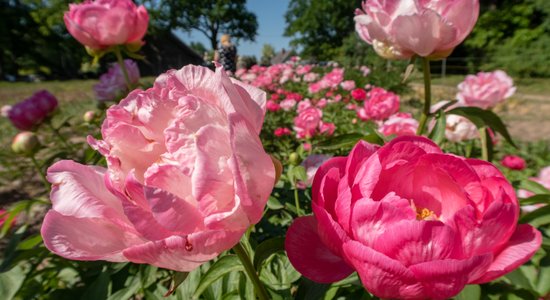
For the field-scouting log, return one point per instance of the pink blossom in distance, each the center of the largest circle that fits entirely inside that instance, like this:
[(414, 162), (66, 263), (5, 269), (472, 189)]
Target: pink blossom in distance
[(348, 85), (307, 122), (447, 222), (402, 29), (399, 124), (513, 162), (272, 106), (112, 84), (379, 105), (187, 175), (288, 104), (359, 94), (486, 89), (101, 24), (31, 112), (281, 131)]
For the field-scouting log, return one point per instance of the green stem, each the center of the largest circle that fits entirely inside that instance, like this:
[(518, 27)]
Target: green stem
[(59, 136), (427, 96), (39, 170), (122, 65), (297, 201), (251, 271), (483, 140)]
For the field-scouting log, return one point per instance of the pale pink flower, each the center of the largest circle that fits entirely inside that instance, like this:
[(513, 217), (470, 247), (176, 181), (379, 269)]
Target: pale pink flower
[(380, 105), (288, 104), (321, 103), (303, 105), (301, 70), (112, 85), (315, 87), (307, 122), (187, 176), (31, 112), (414, 222), (402, 29), (334, 77), (311, 77), (486, 89), (399, 124), (327, 128), (348, 85), (101, 24), (5, 110), (307, 146), (365, 70)]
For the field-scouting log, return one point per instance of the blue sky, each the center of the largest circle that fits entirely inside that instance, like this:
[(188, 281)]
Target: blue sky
[(271, 21)]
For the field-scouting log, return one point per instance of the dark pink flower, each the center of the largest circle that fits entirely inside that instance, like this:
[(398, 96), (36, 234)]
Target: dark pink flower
[(282, 131), (414, 222), (272, 106), (359, 94), (29, 113), (513, 162)]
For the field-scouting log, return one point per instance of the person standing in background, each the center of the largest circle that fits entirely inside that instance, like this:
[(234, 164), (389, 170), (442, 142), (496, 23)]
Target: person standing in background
[(226, 55)]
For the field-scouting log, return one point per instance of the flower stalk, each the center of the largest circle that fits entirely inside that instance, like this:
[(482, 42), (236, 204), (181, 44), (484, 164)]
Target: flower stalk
[(251, 272), (122, 65), (427, 96)]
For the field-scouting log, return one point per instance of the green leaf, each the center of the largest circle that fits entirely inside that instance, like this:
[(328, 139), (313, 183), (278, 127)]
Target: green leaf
[(537, 217), (99, 289), (348, 140), (10, 282), (274, 203), (266, 249), (309, 290), (533, 186), (482, 118), (221, 267), (438, 132), (177, 279), (30, 242), (470, 292), (536, 199), (297, 173)]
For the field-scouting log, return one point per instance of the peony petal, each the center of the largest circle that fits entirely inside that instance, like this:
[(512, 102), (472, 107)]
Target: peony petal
[(443, 279), (310, 256), (184, 253), (173, 213), (381, 275), (523, 244), (87, 238)]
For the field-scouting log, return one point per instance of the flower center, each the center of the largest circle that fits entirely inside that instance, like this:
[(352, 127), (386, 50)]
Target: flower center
[(425, 214)]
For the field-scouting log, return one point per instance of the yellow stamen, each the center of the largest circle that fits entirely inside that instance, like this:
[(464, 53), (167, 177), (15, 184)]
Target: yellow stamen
[(425, 214)]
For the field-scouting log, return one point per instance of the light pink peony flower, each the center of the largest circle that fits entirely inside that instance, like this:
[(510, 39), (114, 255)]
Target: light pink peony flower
[(303, 105), (307, 122), (112, 85), (486, 89), (401, 29), (460, 129), (288, 104), (101, 24), (380, 105), (187, 176), (5, 111), (29, 113), (327, 128), (399, 124), (348, 85), (414, 223), (513, 162)]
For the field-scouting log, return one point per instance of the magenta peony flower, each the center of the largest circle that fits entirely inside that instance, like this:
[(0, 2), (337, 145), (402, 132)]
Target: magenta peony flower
[(101, 24), (272, 106), (401, 29), (414, 223), (513, 162), (282, 131), (187, 176), (399, 124), (112, 85), (29, 113), (486, 89), (380, 105), (359, 94)]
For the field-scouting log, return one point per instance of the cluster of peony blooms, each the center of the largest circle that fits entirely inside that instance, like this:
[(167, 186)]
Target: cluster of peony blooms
[(31, 112), (112, 85)]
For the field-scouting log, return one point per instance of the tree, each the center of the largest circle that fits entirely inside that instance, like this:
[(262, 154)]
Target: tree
[(268, 52), (320, 26), (210, 17), (198, 47)]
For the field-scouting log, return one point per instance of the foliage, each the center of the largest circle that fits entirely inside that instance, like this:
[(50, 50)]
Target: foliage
[(268, 52), (319, 26)]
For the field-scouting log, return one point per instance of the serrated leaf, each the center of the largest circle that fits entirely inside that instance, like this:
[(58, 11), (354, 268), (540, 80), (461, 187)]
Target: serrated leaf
[(221, 267), (266, 249), (438, 132), (484, 118)]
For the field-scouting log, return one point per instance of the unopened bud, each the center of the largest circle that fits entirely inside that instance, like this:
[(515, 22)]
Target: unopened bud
[(25, 143), (89, 116), (5, 110), (294, 159)]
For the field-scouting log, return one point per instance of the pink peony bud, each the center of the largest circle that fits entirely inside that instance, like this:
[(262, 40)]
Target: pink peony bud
[(5, 111), (513, 162), (89, 116), (25, 143), (402, 29), (101, 24)]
